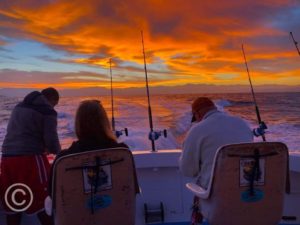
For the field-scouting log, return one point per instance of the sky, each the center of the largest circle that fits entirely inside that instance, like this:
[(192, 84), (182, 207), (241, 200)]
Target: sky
[(67, 44)]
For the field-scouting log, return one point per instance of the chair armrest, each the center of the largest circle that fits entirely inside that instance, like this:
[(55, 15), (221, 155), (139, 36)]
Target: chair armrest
[(198, 190), (48, 205)]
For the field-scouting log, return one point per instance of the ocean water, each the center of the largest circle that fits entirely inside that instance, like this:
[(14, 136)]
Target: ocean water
[(280, 111)]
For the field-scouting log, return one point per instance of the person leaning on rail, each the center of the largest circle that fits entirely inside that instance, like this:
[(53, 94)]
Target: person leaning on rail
[(31, 134)]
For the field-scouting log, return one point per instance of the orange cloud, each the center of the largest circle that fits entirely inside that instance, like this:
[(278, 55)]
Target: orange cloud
[(186, 41)]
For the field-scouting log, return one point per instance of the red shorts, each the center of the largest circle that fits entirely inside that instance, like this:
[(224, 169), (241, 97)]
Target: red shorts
[(24, 183)]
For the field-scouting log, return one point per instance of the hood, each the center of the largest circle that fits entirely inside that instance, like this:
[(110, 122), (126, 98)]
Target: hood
[(36, 101), (35, 98)]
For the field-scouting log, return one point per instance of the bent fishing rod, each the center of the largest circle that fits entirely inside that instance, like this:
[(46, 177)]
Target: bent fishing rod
[(118, 133), (153, 135), (260, 131), (295, 43)]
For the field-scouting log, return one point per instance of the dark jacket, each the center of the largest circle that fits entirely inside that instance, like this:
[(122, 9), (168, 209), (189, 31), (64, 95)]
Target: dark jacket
[(32, 128), (90, 145)]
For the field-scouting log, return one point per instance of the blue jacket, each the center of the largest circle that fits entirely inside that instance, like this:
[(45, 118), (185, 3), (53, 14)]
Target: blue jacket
[(32, 128)]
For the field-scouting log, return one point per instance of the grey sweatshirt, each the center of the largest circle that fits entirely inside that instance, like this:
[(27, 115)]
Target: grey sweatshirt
[(32, 128), (203, 140)]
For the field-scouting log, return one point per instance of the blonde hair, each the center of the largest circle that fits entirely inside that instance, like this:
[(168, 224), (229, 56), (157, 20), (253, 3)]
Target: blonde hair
[(91, 121)]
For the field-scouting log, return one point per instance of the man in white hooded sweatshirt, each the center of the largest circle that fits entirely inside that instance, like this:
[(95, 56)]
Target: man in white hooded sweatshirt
[(212, 130)]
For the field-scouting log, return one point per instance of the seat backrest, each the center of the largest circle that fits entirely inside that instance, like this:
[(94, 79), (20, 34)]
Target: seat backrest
[(96, 187), (248, 185)]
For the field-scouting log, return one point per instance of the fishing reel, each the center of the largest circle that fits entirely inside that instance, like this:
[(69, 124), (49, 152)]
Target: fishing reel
[(118, 133), (261, 130), (154, 135)]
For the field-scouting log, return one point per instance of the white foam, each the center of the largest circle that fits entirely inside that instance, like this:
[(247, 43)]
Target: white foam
[(221, 103), (173, 114)]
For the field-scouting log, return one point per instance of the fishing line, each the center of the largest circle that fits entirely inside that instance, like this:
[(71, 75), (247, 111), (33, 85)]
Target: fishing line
[(295, 43), (153, 135), (112, 98), (262, 126), (118, 133)]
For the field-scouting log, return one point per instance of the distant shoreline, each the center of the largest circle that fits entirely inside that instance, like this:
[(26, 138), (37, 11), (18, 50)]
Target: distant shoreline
[(160, 90)]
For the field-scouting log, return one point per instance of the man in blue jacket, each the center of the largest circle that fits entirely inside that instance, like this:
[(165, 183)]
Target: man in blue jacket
[(31, 134)]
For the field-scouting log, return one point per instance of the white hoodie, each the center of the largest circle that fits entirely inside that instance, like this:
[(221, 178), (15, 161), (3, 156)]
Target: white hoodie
[(203, 140)]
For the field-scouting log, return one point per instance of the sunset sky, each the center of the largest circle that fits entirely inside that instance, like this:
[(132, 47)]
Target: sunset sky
[(67, 43)]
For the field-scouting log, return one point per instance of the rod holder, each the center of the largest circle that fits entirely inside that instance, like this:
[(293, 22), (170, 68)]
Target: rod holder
[(118, 133), (261, 130), (154, 135)]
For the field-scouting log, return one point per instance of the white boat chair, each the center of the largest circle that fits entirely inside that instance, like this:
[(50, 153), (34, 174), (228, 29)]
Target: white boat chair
[(247, 185), (95, 187)]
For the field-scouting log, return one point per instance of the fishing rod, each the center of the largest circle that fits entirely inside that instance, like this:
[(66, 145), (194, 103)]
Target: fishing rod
[(117, 132), (153, 135), (295, 43), (260, 131)]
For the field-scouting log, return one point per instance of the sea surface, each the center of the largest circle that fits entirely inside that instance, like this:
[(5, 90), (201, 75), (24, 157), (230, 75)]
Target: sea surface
[(280, 111)]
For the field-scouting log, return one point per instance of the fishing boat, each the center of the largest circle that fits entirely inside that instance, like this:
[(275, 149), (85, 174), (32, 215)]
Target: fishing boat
[(164, 198), (164, 189)]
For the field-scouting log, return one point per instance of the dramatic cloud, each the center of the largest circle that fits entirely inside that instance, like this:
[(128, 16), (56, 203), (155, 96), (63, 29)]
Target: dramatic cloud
[(188, 41), (23, 79)]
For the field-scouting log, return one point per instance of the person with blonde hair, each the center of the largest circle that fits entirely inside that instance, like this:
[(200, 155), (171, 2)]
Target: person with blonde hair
[(92, 128)]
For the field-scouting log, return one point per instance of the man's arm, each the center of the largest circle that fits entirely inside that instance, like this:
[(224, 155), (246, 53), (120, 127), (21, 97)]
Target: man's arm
[(50, 134), (189, 161)]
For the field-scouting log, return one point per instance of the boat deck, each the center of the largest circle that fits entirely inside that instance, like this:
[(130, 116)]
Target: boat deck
[(160, 181)]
